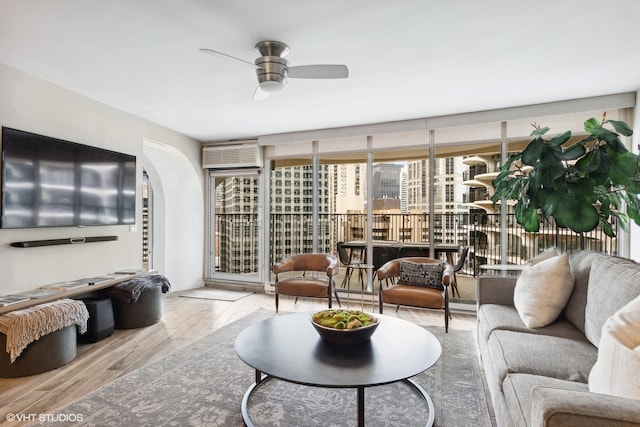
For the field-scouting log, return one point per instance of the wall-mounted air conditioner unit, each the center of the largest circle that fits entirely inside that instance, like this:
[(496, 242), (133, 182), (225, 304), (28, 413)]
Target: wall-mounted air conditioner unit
[(232, 156)]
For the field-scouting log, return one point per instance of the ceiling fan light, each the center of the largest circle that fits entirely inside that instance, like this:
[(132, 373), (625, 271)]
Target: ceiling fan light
[(271, 86)]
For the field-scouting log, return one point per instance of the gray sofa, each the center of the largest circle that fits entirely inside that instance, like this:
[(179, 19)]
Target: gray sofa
[(539, 377)]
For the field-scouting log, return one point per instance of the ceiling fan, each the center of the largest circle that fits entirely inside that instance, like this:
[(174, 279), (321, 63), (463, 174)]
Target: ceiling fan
[(273, 69)]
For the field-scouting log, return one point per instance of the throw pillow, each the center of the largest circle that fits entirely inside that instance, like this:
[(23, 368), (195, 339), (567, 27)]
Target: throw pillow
[(617, 370), (548, 253), (543, 290), (421, 274)]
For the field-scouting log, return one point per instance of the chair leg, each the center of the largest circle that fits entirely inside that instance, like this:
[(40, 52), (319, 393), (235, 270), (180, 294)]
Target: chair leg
[(276, 302), (447, 312), (344, 279), (446, 320), (347, 277), (332, 287), (454, 287), (335, 292)]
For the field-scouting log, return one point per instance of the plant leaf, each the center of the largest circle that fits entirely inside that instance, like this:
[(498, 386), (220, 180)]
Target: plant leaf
[(616, 145), (622, 167), (607, 228), (634, 185), (574, 152), (558, 140), (621, 127), (611, 138), (550, 168), (590, 124), (633, 207), (532, 152), (527, 216), (579, 216)]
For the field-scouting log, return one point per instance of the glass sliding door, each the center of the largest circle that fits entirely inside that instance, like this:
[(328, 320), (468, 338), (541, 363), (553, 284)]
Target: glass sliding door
[(299, 204), (235, 225)]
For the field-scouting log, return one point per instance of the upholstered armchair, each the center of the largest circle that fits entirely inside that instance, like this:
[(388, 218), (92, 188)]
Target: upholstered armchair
[(419, 282), (315, 279)]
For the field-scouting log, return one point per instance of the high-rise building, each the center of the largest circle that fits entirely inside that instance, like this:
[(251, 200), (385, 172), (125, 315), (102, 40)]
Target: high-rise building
[(386, 180), (417, 185), (348, 187)]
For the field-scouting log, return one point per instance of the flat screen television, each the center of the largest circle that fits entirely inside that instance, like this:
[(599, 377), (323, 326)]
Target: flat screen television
[(49, 182)]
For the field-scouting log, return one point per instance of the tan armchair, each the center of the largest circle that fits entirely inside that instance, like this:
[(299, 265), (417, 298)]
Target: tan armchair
[(412, 295), (307, 285)]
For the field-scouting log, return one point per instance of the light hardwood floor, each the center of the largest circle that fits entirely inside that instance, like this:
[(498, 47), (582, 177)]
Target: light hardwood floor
[(184, 320)]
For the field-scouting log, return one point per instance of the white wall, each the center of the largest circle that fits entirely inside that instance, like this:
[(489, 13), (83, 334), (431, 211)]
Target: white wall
[(177, 192), (31, 104)]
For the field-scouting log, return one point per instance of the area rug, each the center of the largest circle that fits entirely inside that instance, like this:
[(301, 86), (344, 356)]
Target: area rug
[(203, 385), (216, 294)]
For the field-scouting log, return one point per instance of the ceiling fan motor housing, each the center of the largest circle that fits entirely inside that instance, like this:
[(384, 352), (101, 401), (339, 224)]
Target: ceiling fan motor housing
[(271, 72), (271, 48), (271, 66)]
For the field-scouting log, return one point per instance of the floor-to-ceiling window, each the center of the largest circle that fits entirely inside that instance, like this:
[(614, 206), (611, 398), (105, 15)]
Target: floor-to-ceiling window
[(430, 185)]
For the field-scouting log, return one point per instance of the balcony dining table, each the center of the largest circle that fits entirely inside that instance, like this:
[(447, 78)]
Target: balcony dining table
[(393, 249)]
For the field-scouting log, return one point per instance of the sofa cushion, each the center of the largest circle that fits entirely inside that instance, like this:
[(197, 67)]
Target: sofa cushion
[(542, 291), (493, 317), (580, 263), (517, 391), (617, 371), (613, 282), (537, 354)]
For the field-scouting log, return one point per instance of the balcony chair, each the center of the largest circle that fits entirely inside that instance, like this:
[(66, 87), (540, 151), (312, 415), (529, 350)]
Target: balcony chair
[(420, 282), (349, 261), (381, 255), (307, 285), (462, 256)]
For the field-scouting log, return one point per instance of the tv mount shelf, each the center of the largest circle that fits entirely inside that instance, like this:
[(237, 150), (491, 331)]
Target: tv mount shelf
[(65, 241)]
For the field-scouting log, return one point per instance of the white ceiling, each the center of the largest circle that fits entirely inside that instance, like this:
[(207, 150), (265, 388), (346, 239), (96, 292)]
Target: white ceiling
[(407, 58)]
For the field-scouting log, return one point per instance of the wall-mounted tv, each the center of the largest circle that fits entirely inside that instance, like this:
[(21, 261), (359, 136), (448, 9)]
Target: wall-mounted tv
[(49, 182)]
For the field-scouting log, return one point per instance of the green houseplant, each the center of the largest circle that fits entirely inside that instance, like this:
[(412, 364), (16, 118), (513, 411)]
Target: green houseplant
[(578, 185)]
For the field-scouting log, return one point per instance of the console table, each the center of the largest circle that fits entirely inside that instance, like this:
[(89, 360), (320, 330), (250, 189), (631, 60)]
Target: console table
[(72, 292), (288, 347)]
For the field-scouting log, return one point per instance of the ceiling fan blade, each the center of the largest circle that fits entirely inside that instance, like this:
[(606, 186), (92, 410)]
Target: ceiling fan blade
[(215, 52), (259, 94), (319, 71)]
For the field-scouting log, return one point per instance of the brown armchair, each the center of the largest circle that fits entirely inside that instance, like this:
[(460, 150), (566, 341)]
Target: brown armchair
[(413, 295), (307, 285)]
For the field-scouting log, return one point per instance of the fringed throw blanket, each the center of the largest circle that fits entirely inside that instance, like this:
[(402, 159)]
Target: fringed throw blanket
[(22, 327), (130, 290)]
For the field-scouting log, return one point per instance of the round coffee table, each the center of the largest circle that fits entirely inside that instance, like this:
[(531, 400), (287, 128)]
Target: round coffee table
[(288, 347)]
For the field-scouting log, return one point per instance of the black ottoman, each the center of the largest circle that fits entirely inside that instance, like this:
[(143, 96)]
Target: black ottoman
[(49, 352), (146, 311), (101, 322)]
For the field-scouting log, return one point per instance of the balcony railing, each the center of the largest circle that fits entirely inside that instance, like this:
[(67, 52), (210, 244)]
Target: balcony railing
[(236, 240)]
